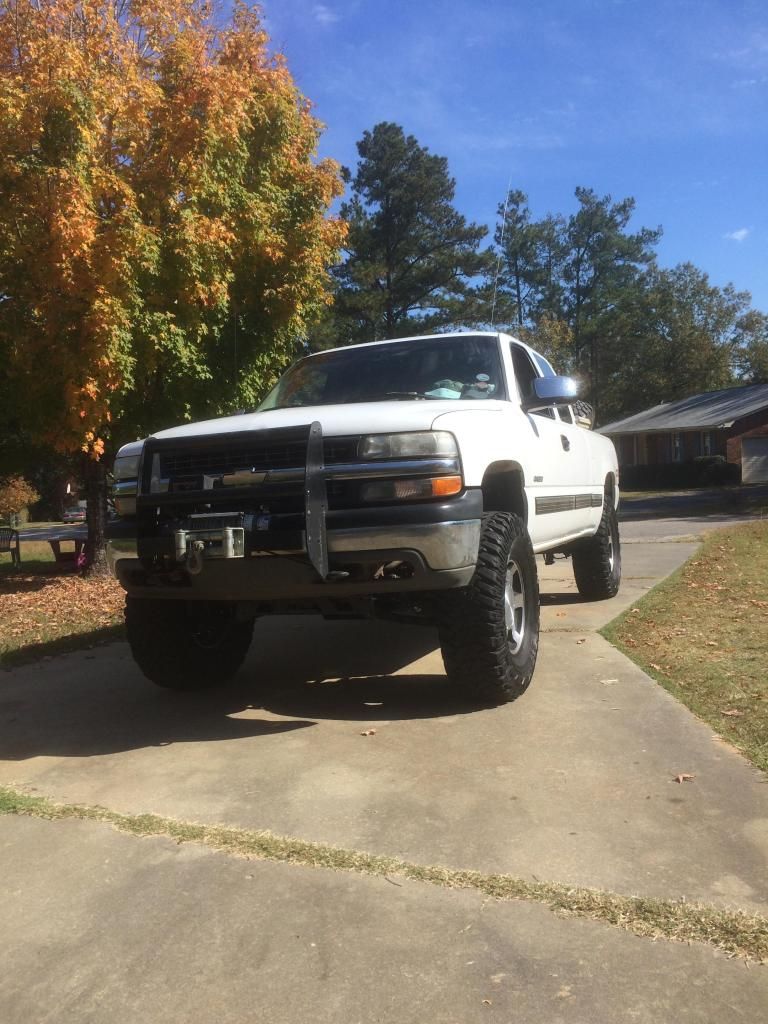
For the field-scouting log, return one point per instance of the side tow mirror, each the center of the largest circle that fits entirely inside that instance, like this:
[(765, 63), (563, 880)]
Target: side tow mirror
[(551, 391)]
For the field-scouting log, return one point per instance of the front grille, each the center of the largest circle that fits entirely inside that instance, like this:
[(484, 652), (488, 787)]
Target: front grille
[(185, 466)]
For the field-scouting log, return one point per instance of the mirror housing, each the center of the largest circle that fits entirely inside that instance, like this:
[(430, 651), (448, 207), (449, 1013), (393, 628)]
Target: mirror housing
[(551, 391)]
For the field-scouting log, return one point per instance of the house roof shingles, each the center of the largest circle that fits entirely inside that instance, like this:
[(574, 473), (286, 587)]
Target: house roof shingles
[(699, 412)]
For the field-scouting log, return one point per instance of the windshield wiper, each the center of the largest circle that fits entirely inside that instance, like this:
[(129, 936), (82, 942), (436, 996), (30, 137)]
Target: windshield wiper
[(406, 395)]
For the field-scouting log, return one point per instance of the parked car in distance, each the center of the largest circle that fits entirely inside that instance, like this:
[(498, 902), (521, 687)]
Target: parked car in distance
[(74, 515)]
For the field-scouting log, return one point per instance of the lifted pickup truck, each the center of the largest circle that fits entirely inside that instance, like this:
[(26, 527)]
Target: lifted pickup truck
[(413, 479)]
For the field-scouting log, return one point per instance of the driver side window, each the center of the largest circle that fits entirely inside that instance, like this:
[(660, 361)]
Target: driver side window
[(525, 374)]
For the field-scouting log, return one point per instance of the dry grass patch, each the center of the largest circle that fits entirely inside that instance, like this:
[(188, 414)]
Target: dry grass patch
[(735, 932), (45, 611), (703, 634)]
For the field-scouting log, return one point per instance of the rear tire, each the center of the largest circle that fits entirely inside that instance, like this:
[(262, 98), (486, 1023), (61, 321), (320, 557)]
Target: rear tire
[(597, 561), (184, 645), (489, 632)]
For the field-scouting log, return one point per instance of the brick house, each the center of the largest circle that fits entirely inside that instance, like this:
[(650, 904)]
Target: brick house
[(732, 423)]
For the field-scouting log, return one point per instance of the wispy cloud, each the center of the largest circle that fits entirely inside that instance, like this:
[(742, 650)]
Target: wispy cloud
[(324, 15), (737, 236), (752, 53), (750, 83), (505, 141)]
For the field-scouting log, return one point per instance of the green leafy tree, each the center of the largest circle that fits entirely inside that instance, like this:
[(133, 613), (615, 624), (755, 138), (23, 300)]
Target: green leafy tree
[(751, 349), (164, 238), (554, 339), (677, 336), (410, 257)]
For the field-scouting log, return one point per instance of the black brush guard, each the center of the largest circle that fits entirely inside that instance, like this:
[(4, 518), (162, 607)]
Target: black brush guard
[(305, 441)]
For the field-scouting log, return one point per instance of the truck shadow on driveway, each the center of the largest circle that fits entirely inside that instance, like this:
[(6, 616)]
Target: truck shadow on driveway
[(364, 698), (92, 715), (84, 705), (349, 671)]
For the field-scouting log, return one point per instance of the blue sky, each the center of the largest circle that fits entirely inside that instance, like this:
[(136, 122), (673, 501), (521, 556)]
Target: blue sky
[(663, 100)]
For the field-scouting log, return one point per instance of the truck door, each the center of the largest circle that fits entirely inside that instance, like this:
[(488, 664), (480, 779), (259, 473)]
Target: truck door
[(559, 488)]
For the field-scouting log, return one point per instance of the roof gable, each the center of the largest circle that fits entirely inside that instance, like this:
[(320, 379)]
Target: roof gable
[(707, 411)]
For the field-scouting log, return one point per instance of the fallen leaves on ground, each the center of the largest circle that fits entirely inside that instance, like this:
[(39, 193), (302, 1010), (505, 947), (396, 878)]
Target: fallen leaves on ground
[(40, 608)]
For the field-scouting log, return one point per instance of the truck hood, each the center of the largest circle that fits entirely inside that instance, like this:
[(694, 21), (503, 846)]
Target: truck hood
[(338, 420)]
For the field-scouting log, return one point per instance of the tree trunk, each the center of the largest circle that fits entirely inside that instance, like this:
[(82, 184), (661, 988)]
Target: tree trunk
[(95, 475)]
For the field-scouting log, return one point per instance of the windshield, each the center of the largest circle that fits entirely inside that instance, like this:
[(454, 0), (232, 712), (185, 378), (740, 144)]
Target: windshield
[(463, 367)]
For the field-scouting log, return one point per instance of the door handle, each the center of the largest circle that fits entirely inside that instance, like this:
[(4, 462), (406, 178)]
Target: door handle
[(565, 443)]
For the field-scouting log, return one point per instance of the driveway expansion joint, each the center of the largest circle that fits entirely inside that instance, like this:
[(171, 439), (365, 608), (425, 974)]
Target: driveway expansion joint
[(734, 932)]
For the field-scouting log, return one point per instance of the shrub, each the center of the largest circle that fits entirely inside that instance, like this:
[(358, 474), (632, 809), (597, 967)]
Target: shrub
[(15, 495), (705, 471)]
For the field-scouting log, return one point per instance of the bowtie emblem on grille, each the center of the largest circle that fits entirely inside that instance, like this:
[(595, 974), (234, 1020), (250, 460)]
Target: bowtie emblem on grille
[(240, 478)]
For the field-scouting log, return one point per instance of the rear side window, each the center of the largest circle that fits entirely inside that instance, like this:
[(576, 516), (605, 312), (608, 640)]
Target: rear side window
[(544, 365)]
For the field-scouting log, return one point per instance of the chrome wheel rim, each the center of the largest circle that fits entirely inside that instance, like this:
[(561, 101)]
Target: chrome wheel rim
[(514, 607), (611, 554)]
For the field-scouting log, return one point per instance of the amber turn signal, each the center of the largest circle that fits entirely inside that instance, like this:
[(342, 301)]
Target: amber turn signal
[(445, 486), (412, 489)]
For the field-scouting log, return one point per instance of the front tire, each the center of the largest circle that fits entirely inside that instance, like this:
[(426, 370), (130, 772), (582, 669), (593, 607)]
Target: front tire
[(489, 633), (183, 645), (597, 561)]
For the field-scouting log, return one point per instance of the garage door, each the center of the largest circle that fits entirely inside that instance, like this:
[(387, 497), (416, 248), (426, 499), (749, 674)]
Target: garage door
[(754, 460)]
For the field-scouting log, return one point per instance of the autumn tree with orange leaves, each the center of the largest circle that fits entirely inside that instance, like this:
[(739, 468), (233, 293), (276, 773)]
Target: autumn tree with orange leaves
[(164, 228)]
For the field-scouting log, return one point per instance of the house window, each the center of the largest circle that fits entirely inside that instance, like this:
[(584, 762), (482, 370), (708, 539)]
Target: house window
[(677, 447), (706, 443)]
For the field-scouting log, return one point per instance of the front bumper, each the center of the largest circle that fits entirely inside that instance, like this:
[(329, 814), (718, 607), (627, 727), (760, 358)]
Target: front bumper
[(438, 556), (447, 545)]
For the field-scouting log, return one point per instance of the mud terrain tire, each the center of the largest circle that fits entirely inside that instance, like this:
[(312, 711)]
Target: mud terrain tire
[(597, 561), (186, 645), (489, 632)]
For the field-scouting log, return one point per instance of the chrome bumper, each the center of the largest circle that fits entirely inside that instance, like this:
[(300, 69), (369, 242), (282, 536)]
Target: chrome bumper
[(449, 545)]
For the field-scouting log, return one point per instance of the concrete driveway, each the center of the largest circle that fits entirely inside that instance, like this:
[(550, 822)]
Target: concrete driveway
[(572, 784)]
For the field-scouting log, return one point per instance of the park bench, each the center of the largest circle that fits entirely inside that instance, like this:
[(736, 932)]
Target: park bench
[(9, 541)]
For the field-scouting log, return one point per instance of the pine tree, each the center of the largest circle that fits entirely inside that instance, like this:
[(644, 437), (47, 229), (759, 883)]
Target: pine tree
[(603, 264), (410, 256)]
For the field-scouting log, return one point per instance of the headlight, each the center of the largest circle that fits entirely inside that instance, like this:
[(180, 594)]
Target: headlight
[(125, 484), (403, 446), (126, 467)]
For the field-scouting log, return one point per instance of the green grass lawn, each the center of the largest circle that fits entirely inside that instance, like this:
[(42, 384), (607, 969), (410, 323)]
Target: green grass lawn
[(703, 634), (36, 556)]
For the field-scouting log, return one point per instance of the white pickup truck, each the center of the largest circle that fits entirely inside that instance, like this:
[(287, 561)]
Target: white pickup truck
[(413, 479)]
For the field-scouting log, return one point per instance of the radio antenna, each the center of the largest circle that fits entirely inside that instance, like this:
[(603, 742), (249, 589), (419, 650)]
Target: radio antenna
[(501, 251)]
